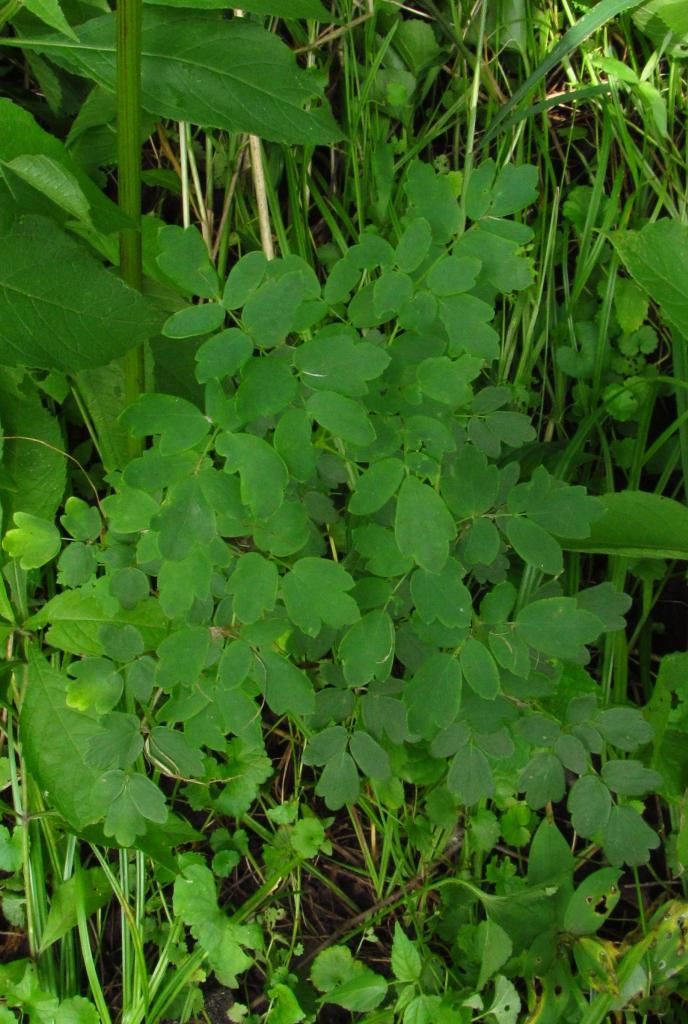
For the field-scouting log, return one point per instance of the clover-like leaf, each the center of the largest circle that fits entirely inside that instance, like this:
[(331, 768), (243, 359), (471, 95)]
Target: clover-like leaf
[(33, 541), (315, 591)]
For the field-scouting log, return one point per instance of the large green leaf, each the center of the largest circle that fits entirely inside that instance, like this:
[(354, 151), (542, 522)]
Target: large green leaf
[(637, 524), (277, 8), (61, 309), (657, 258), (55, 741), (201, 68)]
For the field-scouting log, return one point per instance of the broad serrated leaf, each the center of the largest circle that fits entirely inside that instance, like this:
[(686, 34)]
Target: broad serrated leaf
[(405, 961), (51, 279), (60, 767), (197, 67), (423, 526)]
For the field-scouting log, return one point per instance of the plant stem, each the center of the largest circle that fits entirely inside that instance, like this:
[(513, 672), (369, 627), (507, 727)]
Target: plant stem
[(129, 17)]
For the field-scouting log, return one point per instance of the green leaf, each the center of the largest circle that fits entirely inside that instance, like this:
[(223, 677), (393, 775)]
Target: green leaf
[(59, 767), (535, 546), (341, 416), (592, 902), (543, 780), (224, 942), (494, 947), (405, 961), (182, 656), (269, 313), (197, 67), (423, 526), (557, 628), (223, 355), (414, 245), (180, 424), (192, 321), (336, 360), (338, 783), (267, 387), (367, 649), (325, 745), (638, 524), (627, 838), (131, 800), (589, 805), (53, 180), (94, 317), (363, 992), (481, 543), (371, 758), (431, 197), (34, 542), (263, 473), (470, 776), (657, 258), (91, 890), (170, 750), (332, 967), (630, 778), (442, 597), (33, 463), (433, 694), (479, 669), (376, 486), (288, 690), (183, 257), (624, 728), (80, 520), (119, 742), (244, 278), (95, 685), (558, 508), (315, 591), (453, 274), (506, 1004), (391, 292), (491, 194), (253, 584), (449, 380)]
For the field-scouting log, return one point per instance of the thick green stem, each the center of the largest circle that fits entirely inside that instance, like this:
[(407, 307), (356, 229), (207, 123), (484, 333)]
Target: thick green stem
[(129, 14)]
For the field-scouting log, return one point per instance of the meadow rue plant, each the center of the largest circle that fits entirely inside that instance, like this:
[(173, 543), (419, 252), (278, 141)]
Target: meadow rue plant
[(345, 535)]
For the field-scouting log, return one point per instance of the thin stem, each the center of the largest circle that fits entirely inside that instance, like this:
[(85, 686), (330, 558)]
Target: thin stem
[(129, 18)]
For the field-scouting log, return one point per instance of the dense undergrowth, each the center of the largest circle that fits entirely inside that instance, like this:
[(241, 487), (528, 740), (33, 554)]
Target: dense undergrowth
[(344, 461)]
